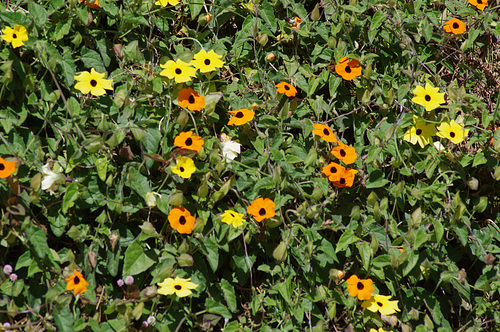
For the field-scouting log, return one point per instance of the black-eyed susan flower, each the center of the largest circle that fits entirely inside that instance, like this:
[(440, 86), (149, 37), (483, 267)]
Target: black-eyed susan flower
[(15, 36), (186, 140), (455, 26), (179, 71), (381, 304), (93, 82), (91, 4), (344, 152), (348, 69), (184, 167), (479, 4), (191, 99), (333, 171), (241, 116), (76, 282), (420, 133), (346, 178), (207, 61), (453, 131), (287, 89), (362, 288), (181, 220), (6, 168), (429, 97), (379, 330), (233, 218), (324, 132), (230, 149), (178, 286), (262, 208)]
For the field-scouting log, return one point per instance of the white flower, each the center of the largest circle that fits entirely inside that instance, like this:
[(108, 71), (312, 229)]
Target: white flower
[(50, 177), (230, 149), (439, 146)]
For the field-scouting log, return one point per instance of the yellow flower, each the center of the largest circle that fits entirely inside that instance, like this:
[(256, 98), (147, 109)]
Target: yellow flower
[(420, 133), (184, 168), (453, 131), (180, 286), (178, 70), (429, 97), (232, 218), (379, 330), (207, 62), (93, 82), (15, 36), (164, 3), (381, 304)]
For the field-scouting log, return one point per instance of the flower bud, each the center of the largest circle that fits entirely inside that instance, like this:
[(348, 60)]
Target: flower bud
[(182, 118), (262, 39), (208, 17), (120, 282), (203, 190), (255, 106), (150, 200), (473, 183), (315, 13), (355, 212), (332, 42), (270, 57), (185, 260), (280, 253), (176, 198)]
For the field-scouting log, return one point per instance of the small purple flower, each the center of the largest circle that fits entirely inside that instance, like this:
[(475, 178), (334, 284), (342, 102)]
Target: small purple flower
[(145, 324), (129, 280), (13, 277), (120, 282), (151, 320), (6, 325), (7, 269)]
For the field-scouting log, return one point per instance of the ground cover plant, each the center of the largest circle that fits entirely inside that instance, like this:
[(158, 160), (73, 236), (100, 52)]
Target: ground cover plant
[(262, 165)]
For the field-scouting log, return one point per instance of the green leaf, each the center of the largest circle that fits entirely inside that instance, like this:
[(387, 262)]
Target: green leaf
[(101, 164), (92, 59), (377, 19), (61, 30), (479, 159), (267, 13), (136, 260), (38, 240), (217, 308), (212, 253), (64, 319), (70, 196), (229, 295), (345, 240), (40, 15)]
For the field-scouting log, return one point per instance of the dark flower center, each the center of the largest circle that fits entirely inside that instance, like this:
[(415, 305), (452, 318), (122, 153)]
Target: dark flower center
[(93, 83), (182, 220), (232, 215), (452, 134), (479, 2), (239, 115), (326, 132), (347, 69), (207, 62), (427, 98), (342, 181), (333, 169), (191, 99), (287, 87), (455, 25), (342, 152), (380, 304), (2, 167), (76, 280), (178, 287), (178, 71), (182, 170), (360, 286), (262, 211), (14, 36), (189, 141), (419, 131)]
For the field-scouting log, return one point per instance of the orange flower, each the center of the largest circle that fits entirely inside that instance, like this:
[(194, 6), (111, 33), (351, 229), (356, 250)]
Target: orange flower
[(186, 140), (91, 5), (348, 69), (287, 89), (346, 179), (76, 283), (345, 152), (362, 288), (241, 116), (295, 22), (334, 171), (191, 99), (181, 220), (324, 132), (6, 168), (479, 4), (262, 208), (455, 26)]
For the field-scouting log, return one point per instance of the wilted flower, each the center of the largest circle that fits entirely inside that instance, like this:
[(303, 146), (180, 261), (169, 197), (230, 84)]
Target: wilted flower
[(230, 149), (50, 177)]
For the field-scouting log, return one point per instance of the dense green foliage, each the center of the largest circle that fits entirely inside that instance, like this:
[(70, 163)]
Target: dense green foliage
[(421, 222)]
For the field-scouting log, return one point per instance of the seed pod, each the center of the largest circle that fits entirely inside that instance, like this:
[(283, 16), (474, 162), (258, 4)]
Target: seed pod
[(270, 57)]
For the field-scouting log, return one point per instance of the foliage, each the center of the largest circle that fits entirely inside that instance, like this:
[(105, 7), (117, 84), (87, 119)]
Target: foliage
[(94, 181)]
